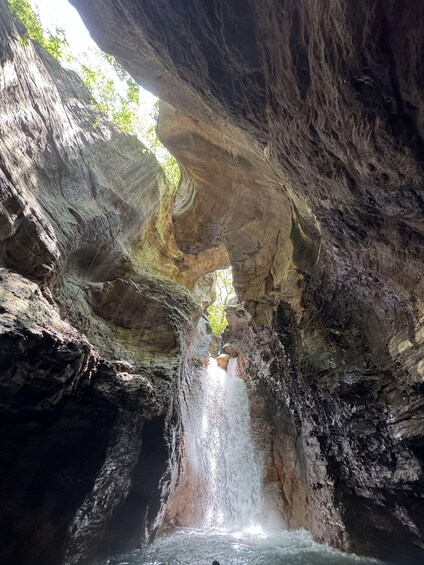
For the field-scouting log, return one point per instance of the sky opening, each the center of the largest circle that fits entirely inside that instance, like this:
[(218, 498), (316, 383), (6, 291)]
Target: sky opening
[(61, 14)]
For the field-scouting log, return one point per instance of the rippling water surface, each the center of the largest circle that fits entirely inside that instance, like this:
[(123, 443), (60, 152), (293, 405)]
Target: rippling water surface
[(197, 547)]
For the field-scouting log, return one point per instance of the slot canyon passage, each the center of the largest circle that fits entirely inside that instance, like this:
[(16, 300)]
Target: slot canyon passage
[(298, 126)]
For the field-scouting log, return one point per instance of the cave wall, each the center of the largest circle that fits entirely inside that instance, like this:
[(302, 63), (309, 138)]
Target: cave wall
[(97, 312), (299, 126), (332, 462)]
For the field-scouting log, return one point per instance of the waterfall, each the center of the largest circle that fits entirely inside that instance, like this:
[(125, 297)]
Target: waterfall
[(224, 489), (221, 451)]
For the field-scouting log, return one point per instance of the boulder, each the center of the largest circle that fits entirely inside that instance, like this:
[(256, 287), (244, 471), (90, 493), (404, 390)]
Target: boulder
[(223, 360)]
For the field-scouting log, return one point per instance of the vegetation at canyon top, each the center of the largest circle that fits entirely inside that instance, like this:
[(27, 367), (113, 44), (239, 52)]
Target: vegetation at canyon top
[(224, 291), (115, 93)]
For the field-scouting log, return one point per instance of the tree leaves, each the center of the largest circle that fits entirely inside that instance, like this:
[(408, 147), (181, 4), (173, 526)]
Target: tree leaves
[(55, 44), (115, 93), (224, 291)]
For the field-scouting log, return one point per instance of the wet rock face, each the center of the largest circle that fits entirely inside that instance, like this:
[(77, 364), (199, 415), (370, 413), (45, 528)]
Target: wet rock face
[(306, 120), (332, 463), (92, 335), (299, 127)]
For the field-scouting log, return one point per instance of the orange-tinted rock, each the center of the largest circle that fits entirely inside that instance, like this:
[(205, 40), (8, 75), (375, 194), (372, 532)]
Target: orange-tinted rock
[(223, 360)]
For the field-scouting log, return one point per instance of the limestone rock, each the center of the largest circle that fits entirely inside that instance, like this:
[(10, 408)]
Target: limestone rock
[(223, 360), (301, 130), (318, 431), (215, 345), (230, 349), (94, 319)]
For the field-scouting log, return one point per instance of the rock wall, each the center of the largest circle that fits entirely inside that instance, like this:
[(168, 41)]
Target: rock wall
[(332, 463), (94, 319), (300, 128)]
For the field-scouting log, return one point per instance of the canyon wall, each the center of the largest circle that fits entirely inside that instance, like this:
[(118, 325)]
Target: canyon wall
[(299, 126), (95, 319)]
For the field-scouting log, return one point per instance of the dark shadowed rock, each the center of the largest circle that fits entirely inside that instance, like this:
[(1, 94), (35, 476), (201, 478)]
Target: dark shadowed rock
[(92, 333), (299, 125)]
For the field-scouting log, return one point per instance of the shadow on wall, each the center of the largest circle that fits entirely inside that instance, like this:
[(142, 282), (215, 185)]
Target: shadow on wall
[(49, 461), (128, 528)]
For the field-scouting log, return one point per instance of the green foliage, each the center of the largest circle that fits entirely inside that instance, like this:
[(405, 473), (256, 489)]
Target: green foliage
[(217, 318), (115, 93), (172, 171), (55, 44), (120, 109), (168, 162), (224, 291)]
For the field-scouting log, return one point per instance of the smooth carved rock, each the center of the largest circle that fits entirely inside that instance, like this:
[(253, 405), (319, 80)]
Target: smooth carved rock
[(327, 117), (216, 208), (223, 360), (324, 102), (135, 309), (94, 319)]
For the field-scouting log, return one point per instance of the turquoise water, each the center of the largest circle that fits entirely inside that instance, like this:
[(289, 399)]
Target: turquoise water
[(197, 547)]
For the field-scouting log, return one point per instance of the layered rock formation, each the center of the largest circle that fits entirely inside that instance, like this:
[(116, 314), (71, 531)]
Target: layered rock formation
[(94, 322), (299, 126)]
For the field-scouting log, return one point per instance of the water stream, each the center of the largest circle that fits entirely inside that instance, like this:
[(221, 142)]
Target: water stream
[(222, 454), (223, 458)]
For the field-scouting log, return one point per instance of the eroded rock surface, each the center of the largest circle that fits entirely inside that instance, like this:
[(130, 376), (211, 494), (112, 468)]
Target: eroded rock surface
[(299, 129), (92, 331), (299, 126)]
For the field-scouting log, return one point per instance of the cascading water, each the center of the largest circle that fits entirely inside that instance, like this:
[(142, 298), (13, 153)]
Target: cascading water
[(227, 474), (222, 453)]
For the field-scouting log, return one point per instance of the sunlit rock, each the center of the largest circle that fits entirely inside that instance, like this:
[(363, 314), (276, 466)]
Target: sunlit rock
[(223, 360)]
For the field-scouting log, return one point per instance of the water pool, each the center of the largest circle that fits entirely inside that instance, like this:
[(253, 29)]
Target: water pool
[(198, 547)]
